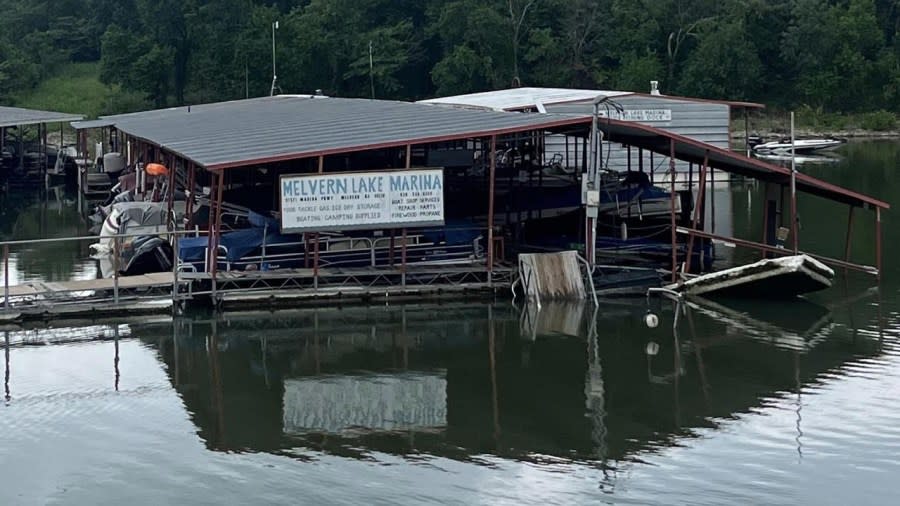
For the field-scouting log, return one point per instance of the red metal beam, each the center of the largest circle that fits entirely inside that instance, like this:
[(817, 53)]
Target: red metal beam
[(698, 208), (868, 269)]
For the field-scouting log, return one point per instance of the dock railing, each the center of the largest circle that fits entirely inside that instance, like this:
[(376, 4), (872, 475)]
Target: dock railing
[(114, 283)]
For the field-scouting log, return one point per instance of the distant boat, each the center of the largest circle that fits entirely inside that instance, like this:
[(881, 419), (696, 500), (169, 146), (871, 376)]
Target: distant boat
[(775, 278), (800, 146)]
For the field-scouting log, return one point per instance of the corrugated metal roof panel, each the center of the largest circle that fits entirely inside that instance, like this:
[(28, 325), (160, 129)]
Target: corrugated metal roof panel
[(91, 123), (270, 129), (691, 150), (16, 116), (521, 98)]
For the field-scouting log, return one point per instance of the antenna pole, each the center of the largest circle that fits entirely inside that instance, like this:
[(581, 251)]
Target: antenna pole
[(371, 70), (274, 74)]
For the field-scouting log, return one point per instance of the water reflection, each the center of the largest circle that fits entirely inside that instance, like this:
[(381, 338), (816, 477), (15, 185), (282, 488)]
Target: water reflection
[(462, 381)]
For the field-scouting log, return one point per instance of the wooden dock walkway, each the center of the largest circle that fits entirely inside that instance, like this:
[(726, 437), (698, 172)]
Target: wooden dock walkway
[(143, 294), (235, 290)]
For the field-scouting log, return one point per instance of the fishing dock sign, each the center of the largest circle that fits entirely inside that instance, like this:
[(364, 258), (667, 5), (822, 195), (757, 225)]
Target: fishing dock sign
[(362, 200)]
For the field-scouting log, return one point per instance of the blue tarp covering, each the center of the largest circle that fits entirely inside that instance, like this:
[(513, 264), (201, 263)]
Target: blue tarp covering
[(239, 243)]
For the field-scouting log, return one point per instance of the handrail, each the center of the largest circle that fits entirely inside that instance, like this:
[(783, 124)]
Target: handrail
[(24, 242)]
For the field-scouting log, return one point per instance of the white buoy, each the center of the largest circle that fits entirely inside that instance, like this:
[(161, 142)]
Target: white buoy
[(652, 349), (651, 320)]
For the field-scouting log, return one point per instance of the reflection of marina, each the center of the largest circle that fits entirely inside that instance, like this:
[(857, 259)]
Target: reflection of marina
[(464, 380)]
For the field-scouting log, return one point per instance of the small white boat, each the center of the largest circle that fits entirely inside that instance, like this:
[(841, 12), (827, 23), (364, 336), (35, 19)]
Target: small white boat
[(774, 278), (800, 146)]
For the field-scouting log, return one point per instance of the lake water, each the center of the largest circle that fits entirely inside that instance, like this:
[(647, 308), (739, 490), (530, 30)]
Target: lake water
[(764, 403)]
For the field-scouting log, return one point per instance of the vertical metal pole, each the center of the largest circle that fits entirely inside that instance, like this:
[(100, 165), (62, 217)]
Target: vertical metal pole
[(403, 260), (794, 237), (316, 237), (698, 207), (220, 187), (493, 170), (174, 269), (672, 208), (189, 205), (117, 249), (747, 131), (849, 234), (408, 156), (878, 241), (6, 276)]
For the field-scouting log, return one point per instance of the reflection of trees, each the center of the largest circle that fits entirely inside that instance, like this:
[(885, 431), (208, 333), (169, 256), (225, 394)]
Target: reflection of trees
[(50, 218), (574, 392)]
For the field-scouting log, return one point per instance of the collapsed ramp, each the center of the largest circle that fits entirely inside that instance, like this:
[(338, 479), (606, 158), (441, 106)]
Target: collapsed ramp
[(555, 276)]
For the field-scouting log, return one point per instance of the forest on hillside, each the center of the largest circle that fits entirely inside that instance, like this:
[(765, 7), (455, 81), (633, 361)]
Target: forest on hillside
[(831, 55)]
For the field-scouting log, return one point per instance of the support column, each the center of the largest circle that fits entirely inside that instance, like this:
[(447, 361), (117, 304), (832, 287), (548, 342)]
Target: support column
[(490, 241), (698, 208), (849, 234), (316, 236), (878, 241), (672, 208)]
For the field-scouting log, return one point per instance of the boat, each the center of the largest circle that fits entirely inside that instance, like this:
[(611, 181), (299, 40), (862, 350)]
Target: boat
[(146, 251), (772, 278), (263, 247), (799, 146)]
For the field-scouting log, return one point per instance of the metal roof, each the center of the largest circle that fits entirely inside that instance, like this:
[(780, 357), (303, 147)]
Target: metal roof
[(16, 116), (523, 98), (91, 123), (690, 150), (271, 129)]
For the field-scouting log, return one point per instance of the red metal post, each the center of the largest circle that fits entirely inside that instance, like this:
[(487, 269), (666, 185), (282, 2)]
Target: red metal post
[(878, 241), (849, 234), (493, 170), (316, 237), (211, 223), (189, 207), (403, 259), (672, 208), (698, 207), (218, 223), (6, 276)]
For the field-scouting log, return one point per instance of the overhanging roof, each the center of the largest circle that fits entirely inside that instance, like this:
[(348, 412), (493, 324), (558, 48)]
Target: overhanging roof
[(17, 116), (514, 99), (690, 150), (272, 129)]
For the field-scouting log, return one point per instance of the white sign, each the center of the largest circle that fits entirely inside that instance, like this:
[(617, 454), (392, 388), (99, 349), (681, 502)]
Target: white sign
[(639, 115), (361, 200)]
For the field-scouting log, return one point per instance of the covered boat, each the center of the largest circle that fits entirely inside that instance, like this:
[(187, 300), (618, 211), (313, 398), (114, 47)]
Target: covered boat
[(770, 278), (799, 146)]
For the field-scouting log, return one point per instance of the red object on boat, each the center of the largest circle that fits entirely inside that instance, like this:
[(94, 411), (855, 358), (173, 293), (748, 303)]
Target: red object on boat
[(156, 169)]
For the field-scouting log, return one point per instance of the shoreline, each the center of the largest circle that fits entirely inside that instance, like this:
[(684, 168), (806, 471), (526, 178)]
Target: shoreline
[(857, 134)]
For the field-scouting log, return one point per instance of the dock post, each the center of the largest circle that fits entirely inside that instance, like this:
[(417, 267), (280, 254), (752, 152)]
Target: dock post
[(174, 270), (878, 241), (403, 260), (794, 231), (493, 170), (672, 208), (6, 276), (698, 208), (849, 235), (116, 250)]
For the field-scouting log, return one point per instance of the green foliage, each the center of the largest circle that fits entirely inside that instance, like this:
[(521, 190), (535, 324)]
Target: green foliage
[(878, 121), (833, 55)]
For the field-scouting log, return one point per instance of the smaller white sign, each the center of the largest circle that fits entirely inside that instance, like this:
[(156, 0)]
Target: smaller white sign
[(362, 200), (639, 115)]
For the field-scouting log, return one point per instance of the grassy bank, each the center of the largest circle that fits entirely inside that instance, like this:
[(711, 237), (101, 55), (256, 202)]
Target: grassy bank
[(810, 121), (77, 89)]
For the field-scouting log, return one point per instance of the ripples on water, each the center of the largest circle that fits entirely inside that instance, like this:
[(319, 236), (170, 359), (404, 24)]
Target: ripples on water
[(400, 405)]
